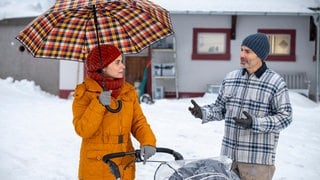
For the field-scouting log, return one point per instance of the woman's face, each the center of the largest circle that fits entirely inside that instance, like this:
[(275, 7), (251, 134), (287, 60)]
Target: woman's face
[(115, 69)]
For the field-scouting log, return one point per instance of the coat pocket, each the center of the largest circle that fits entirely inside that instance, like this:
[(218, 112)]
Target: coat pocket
[(94, 165)]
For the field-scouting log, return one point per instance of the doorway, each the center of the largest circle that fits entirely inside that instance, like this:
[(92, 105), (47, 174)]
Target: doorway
[(135, 66)]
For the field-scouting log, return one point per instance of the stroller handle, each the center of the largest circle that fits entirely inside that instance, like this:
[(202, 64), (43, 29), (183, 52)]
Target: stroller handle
[(107, 157), (137, 153), (175, 154)]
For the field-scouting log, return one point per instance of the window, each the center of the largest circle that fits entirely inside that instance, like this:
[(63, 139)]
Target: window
[(211, 44), (282, 44), (164, 44)]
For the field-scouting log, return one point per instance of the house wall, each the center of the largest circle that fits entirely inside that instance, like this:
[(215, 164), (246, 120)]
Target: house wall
[(21, 65), (194, 75), (71, 73)]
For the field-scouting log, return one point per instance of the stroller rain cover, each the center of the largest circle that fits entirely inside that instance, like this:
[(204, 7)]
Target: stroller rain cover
[(203, 169)]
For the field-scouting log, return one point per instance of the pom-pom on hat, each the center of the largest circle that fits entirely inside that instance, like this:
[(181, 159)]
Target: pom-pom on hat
[(259, 44), (109, 53)]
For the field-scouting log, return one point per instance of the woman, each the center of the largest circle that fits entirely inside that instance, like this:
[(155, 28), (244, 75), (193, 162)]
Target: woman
[(105, 121)]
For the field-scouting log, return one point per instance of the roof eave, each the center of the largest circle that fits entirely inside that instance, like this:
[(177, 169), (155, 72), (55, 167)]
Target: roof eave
[(245, 13)]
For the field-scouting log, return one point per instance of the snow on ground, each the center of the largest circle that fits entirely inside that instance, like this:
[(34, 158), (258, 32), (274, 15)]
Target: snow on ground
[(38, 140)]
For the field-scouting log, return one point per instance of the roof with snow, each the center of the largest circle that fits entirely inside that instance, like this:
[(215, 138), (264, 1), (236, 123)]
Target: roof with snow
[(29, 8), (256, 7)]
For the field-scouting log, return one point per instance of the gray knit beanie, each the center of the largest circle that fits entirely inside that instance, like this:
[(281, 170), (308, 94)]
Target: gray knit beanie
[(259, 44)]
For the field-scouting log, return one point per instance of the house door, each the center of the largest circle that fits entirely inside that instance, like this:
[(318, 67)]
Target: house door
[(135, 66)]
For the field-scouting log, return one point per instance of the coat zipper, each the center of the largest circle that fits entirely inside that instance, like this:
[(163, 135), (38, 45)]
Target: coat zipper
[(239, 115)]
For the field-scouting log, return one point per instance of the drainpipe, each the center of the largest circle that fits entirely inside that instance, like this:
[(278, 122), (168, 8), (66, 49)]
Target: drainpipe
[(316, 19)]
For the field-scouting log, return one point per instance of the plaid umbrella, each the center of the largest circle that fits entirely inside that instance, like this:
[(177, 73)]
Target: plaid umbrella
[(71, 28)]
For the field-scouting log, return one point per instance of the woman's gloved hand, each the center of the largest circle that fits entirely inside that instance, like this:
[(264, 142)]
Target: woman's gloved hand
[(105, 98), (147, 152)]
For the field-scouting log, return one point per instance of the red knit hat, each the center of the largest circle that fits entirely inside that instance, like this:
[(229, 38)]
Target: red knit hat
[(108, 54)]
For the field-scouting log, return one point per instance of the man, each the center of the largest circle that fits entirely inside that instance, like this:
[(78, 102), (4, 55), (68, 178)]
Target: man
[(254, 102)]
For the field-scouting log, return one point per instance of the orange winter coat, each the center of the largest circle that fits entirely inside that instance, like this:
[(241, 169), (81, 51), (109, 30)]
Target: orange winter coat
[(104, 132)]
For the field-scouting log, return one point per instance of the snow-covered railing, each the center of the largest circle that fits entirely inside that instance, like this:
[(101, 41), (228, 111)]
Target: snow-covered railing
[(298, 82)]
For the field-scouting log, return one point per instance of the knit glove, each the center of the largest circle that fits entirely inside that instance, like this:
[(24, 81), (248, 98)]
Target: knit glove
[(246, 123), (195, 110), (105, 98), (147, 152)]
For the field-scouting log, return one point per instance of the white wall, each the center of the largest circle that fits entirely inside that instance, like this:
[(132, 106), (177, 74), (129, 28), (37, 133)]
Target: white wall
[(71, 74), (194, 75)]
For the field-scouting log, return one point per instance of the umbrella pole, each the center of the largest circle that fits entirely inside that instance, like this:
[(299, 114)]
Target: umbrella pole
[(98, 39), (119, 106)]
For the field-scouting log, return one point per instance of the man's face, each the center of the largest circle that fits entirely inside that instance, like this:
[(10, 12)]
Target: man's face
[(249, 60)]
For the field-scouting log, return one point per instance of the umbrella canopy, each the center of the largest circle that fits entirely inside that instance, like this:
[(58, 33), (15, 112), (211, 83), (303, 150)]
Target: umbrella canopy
[(71, 28)]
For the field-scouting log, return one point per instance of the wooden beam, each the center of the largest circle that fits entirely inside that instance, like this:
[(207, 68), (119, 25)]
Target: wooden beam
[(233, 26), (312, 30)]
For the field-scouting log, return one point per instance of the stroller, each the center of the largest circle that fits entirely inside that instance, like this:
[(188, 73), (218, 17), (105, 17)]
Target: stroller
[(203, 169)]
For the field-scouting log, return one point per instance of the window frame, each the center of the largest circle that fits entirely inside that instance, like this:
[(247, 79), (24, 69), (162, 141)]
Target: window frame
[(211, 56), (292, 54)]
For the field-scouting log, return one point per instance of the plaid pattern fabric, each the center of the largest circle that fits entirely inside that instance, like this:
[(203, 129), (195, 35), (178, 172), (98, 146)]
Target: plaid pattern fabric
[(67, 30), (266, 99)]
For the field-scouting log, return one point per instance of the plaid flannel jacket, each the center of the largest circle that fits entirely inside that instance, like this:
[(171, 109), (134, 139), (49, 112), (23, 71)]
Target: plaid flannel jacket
[(264, 95)]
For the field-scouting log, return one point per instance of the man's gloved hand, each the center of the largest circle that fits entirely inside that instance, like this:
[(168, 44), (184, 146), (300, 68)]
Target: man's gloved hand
[(105, 97), (147, 152), (195, 110), (246, 123)]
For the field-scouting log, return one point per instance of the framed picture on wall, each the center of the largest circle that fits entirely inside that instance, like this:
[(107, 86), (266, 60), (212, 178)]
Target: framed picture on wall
[(211, 44), (282, 44)]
